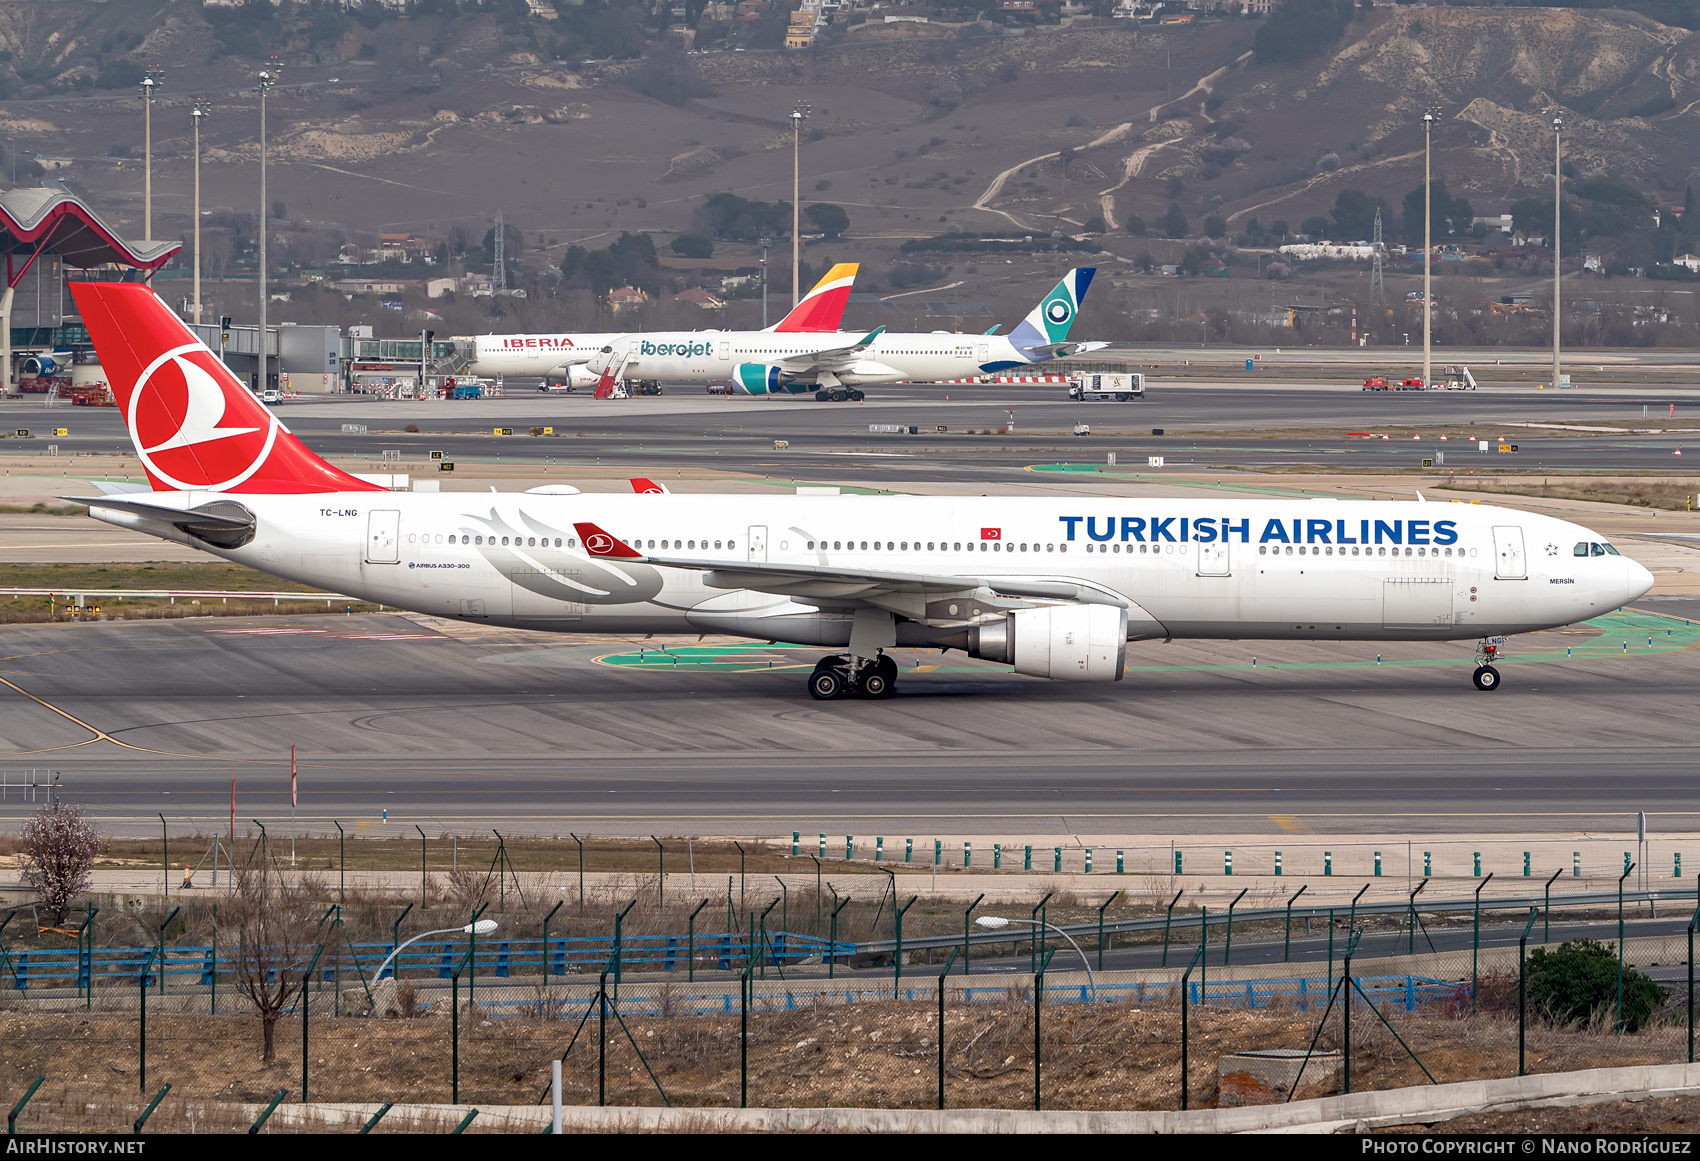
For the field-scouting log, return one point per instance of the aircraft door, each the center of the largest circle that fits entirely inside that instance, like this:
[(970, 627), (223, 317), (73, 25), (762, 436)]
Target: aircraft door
[(982, 352), (757, 542), (1509, 562), (1213, 558), (725, 349), (383, 528)]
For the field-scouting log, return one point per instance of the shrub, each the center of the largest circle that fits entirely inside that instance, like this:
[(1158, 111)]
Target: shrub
[(692, 246), (1135, 225), (1579, 980)]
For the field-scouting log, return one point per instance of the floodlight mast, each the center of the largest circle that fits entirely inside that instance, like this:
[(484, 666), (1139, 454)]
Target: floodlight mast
[(799, 113)]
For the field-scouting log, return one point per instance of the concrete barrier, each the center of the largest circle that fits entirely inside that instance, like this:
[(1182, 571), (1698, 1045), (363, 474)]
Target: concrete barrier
[(1426, 1104)]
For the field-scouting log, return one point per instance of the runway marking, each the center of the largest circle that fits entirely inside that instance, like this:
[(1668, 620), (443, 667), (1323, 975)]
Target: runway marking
[(1612, 632), (1290, 824)]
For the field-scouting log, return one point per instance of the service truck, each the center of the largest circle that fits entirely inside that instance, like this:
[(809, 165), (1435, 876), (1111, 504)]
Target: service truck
[(1119, 386)]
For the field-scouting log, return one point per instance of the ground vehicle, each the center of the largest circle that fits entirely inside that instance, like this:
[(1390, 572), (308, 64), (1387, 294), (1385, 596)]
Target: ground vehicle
[(1376, 383), (271, 395), (466, 391), (1410, 385), (1118, 386)]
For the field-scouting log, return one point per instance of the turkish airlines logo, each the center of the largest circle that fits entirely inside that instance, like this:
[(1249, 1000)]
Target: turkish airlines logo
[(599, 544), (185, 429)]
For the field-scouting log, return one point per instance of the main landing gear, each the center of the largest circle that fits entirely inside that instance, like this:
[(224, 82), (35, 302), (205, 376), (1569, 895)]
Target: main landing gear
[(875, 678), (838, 395), (1486, 676)]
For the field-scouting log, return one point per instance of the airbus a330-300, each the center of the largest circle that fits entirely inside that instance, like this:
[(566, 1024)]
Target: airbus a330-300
[(1055, 587)]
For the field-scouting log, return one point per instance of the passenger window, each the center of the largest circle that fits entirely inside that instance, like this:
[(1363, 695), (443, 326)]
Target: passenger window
[(531, 541), (504, 540), (864, 546), (717, 544), (1050, 548), (1263, 550), (957, 547), (835, 544), (1289, 550)]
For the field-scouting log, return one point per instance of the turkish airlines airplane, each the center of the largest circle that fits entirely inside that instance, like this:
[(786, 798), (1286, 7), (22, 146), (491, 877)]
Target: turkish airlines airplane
[(561, 357), (1054, 587), (790, 364)]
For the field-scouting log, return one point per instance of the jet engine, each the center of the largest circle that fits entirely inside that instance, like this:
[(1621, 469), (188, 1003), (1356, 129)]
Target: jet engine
[(1064, 642), (759, 378), (38, 365)]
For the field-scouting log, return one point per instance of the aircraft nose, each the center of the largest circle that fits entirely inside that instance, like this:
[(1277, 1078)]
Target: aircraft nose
[(1637, 581)]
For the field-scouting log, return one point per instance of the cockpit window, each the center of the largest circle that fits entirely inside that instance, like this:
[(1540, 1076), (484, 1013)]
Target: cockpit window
[(1599, 549), (1581, 549), (1610, 551)]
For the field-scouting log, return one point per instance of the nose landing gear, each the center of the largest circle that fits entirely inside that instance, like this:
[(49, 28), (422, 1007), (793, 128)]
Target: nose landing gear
[(875, 678), (1486, 677)]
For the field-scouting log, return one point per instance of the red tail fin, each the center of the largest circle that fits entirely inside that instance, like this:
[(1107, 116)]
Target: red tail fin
[(644, 486), (822, 309), (195, 426)]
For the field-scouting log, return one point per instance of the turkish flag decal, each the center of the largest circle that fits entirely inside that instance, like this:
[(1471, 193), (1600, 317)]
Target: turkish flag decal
[(991, 534)]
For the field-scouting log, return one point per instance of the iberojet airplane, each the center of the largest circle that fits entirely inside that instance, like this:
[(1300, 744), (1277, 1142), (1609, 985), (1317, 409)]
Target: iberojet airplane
[(1055, 587), (561, 357), (779, 364)]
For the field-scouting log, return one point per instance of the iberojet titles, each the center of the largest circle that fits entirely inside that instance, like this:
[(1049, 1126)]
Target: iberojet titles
[(685, 350), (1180, 529)]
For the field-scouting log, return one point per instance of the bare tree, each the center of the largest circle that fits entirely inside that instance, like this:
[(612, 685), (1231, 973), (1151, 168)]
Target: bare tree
[(59, 850), (275, 939)]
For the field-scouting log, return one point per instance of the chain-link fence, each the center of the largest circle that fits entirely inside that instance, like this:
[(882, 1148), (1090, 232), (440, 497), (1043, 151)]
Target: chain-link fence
[(1174, 1010)]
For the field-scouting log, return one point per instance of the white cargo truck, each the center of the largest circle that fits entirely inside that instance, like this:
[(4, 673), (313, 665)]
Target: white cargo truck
[(1120, 386)]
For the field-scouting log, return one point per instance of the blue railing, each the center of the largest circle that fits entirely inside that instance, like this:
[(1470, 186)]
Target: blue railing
[(427, 959)]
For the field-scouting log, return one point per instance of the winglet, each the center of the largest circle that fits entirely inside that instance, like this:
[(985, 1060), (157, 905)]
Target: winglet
[(602, 544), (647, 487), (868, 339)]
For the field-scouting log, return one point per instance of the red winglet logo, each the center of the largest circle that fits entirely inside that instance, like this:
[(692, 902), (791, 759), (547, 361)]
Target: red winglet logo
[(991, 534), (644, 486), (600, 543)]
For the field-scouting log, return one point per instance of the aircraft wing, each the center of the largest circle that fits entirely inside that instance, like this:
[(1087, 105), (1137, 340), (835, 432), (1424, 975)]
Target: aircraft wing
[(828, 357), (932, 598), (1059, 349)]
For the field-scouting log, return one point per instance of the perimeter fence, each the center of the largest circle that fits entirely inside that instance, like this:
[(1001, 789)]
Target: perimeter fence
[(1161, 1011)]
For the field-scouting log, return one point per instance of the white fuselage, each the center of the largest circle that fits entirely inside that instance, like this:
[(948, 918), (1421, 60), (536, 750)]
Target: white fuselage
[(1208, 568), (710, 357), (540, 354)]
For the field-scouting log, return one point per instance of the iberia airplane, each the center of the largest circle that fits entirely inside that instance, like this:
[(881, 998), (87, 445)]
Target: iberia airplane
[(561, 357), (1053, 586)]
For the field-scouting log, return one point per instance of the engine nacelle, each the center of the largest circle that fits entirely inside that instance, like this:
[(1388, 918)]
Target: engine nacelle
[(573, 375), (38, 365), (762, 379), (1063, 642)]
